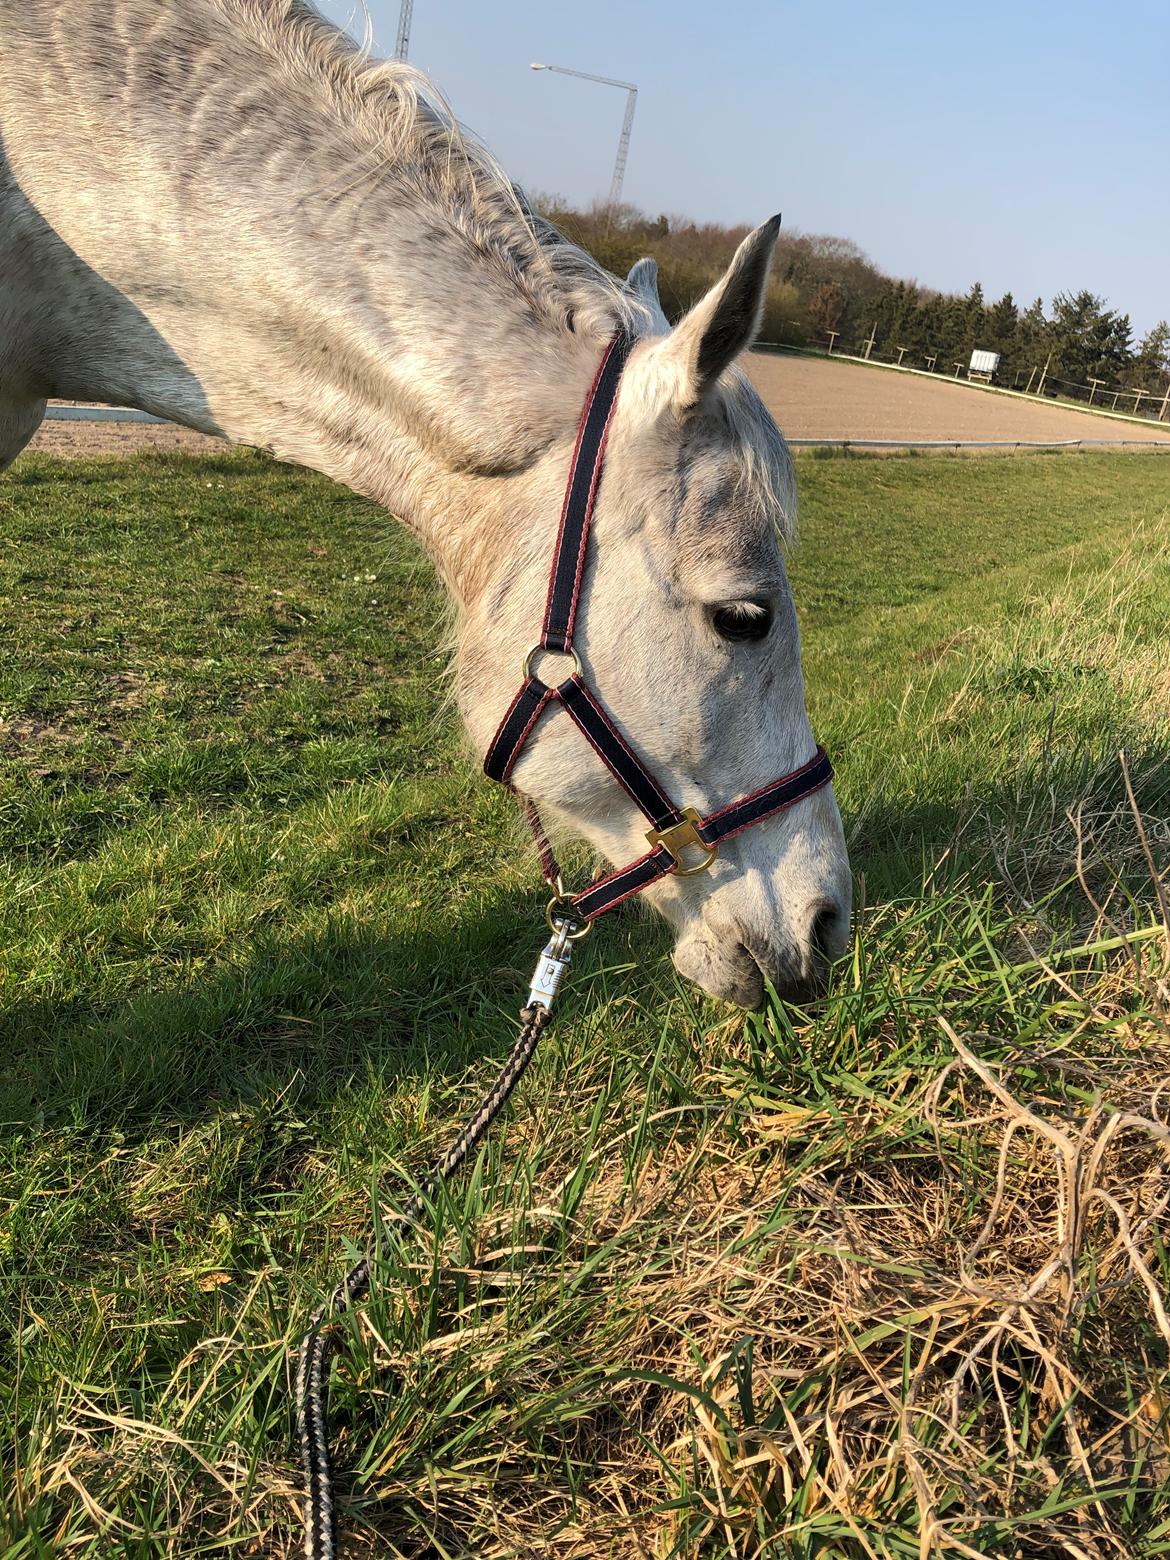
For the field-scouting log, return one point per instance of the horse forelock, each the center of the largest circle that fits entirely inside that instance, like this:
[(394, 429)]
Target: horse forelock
[(767, 460), (744, 429)]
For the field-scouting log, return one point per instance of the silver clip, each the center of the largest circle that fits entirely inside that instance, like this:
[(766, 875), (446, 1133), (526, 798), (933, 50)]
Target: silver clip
[(550, 968)]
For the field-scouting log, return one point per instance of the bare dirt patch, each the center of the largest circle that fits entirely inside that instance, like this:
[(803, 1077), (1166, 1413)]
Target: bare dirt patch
[(24, 736), (82, 440), (812, 398)]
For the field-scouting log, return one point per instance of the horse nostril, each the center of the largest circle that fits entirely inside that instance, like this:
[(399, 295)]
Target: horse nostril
[(825, 930)]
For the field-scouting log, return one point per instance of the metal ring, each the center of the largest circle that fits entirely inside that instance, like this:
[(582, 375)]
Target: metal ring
[(567, 919), (544, 650)]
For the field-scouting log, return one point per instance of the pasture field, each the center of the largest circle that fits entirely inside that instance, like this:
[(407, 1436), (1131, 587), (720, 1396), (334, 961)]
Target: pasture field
[(883, 1278)]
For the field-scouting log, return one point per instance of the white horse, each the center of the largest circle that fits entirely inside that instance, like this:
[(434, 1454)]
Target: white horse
[(222, 212)]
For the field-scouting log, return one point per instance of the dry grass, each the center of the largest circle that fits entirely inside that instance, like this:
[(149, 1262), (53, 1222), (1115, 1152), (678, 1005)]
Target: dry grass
[(881, 1327), (832, 1333)]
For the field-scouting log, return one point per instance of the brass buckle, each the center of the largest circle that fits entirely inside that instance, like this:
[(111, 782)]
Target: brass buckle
[(678, 837)]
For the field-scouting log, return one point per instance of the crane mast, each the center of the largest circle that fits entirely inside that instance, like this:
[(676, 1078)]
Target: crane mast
[(402, 47)]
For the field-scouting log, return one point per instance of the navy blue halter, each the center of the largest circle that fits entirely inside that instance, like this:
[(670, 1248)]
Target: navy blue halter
[(675, 830)]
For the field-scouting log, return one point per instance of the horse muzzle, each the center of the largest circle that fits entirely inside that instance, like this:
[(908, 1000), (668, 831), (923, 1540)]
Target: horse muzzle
[(731, 962)]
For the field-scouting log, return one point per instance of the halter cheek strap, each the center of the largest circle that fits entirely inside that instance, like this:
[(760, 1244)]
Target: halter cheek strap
[(677, 833)]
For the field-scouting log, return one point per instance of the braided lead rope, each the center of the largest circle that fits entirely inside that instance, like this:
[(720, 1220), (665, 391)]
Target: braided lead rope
[(319, 1343)]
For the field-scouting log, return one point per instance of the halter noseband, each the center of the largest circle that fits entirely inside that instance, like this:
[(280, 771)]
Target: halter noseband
[(674, 830)]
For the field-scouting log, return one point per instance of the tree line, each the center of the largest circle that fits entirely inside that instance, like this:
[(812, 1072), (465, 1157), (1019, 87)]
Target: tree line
[(826, 290)]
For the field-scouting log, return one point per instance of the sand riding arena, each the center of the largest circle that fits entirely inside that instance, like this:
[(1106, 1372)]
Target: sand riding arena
[(812, 399)]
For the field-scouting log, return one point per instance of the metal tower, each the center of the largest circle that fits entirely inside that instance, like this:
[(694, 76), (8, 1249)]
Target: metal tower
[(623, 151), (402, 47)]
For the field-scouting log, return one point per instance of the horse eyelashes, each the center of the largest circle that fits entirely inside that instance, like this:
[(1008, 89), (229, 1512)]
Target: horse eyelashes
[(738, 621)]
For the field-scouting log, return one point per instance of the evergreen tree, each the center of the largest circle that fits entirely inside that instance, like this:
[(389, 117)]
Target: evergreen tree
[(952, 342), (912, 334), (883, 316), (999, 335), (1089, 341), (1000, 326), (932, 330), (975, 321), (901, 309), (1151, 367), (1031, 344)]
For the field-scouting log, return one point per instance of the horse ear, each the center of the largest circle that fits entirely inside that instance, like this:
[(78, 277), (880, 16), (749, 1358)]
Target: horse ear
[(643, 279), (643, 283), (725, 322)]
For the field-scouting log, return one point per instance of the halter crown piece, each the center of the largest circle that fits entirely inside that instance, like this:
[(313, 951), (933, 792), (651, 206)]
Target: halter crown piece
[(674, 830)]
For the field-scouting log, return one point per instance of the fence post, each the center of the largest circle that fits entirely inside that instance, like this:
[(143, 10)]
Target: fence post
[(869, 343), (832, 335), (1043, 375)]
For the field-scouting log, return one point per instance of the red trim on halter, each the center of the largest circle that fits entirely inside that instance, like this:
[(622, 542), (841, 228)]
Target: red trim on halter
[(552, 578), (580, 574)]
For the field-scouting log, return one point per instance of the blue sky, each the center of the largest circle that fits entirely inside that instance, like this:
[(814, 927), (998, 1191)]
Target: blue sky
[(1023, 145)]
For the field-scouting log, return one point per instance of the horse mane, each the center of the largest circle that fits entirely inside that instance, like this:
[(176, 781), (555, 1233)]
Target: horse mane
[(405, 130), (411, 133)]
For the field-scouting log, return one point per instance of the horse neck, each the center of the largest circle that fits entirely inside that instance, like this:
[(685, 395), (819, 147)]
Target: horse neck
[(225, 252)]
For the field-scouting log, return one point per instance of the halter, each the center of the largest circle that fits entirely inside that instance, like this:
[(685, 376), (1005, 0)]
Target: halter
[(676, 833)]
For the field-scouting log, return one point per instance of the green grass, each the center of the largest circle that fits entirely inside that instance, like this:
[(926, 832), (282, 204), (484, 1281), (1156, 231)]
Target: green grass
[(882, 1278)]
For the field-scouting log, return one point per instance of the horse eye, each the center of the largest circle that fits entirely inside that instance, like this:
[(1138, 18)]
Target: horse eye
[(741, 620)]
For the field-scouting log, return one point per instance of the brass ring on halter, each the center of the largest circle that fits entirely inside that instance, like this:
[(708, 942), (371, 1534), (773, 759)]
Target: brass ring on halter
[(543, 649), (568, 918)]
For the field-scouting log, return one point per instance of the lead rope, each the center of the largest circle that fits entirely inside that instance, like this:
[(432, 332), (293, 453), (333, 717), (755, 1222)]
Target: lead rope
[(319, 1342)]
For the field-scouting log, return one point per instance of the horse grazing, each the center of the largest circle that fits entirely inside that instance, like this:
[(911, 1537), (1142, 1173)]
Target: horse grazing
[(223, 212)]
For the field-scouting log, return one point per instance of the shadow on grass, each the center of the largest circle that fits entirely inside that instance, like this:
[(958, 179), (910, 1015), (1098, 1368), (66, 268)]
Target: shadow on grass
[(311, 1018), (307, 1018)]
